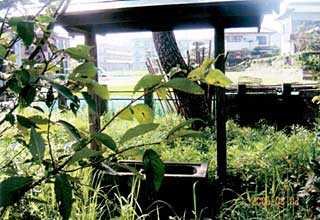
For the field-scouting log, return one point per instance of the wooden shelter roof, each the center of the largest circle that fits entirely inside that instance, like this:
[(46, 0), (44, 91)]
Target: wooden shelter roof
[(107, 16)]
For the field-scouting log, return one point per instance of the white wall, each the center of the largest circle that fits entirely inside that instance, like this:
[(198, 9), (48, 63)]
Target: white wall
[(286, 44), (303, 12), (249, 41)]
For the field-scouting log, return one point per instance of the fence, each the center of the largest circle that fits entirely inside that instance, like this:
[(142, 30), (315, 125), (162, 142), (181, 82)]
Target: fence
[(284, 105)]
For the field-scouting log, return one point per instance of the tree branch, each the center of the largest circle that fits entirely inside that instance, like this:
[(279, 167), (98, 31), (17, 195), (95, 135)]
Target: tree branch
[(10, 112), (4, 22), (10, 161), (112, 155)]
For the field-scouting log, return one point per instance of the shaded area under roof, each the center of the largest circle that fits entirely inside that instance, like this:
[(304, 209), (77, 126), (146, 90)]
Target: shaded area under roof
[(154, 15)]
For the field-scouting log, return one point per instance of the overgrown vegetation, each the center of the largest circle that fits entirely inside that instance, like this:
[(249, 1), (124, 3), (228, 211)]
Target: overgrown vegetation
[(40, 158), (310, 61), (50, 172), (268, 169)]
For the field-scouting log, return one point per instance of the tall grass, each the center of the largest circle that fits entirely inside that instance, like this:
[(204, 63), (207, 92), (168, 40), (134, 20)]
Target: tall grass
[(265, 163), (280, 201)]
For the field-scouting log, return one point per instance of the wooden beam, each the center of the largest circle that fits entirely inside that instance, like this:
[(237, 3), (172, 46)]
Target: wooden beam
[(220, 109), (172, 13), (165, 24), (233, 13), (94, 117)]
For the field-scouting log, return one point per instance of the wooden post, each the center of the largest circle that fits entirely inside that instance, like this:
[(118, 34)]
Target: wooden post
[(94, 117), (241, 101), (242, 89), (220, 109), (286, 89)]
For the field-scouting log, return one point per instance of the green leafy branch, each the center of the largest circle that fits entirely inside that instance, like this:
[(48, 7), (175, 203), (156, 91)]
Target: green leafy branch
[(26, 82)]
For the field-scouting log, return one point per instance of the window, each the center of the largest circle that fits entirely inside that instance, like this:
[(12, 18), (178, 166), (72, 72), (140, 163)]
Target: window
[(235, 38), (262, 40)]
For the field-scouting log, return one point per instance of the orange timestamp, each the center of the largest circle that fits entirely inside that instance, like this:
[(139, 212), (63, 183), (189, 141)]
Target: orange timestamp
[(276, 201)]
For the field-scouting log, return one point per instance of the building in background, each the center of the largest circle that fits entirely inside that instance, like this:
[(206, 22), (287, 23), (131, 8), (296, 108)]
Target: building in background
[(61, 41), (244, 43), (297, 16), (142, 50), (132, 53), (115, 57)]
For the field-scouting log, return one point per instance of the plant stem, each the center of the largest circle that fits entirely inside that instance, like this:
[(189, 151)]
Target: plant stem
[(48, 135), (10, 112), (112, 155), (4, 130), (136, 146), (3, 23), (10, 161), (126, 107)]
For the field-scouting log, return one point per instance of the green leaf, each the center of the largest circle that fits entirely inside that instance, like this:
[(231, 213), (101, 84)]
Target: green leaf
[(37, 119), (80, 144), (12, 189), (207, 63), (12, 58), (24, 122), (105, 140), (183, 125), (27, 95), (64, 91), (74, 106), (82, 154), (14, 85), (316, 99), (80, 52), (63, 193), (13, 22), (143, 113), (3, 51), (135, 153), (154, 168), (147, 82), (217, 78), (25, 30), (37, 108), (130, 169), (10, 118), (184, 85), (315, 166), (162, 93), (91, 103), (101, 90), (49, 97), (85, 70), (70, 129), (186, 133), (36, 146), (127, 114), (137, 131), (48, 68), (174, 70), (45, 19), (23, 76), (196, 74)]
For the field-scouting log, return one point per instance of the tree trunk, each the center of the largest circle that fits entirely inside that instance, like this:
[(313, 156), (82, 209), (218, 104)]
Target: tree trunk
[(194, 106)]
